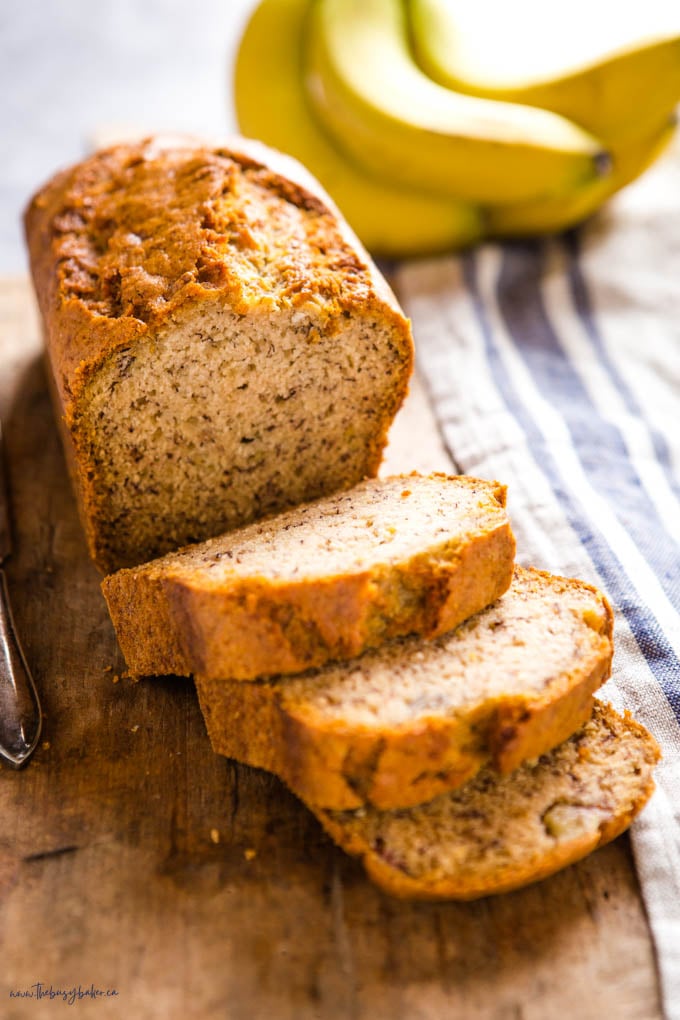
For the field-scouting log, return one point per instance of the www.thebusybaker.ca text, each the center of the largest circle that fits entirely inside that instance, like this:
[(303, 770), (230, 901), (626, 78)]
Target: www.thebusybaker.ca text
[(69, 995)]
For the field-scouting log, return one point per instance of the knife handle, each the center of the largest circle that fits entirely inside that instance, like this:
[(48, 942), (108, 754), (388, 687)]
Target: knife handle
[(20, 715)]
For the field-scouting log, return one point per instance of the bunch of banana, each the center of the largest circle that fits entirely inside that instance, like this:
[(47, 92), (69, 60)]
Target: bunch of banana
[(272, 105), (429, 136)]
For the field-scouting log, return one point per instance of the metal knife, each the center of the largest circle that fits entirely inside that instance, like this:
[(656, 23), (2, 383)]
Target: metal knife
[(20, 714)]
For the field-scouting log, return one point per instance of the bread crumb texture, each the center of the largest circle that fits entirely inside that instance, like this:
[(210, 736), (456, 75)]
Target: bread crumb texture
[(375, 523), (541, 630), (495, 834), (221, 348), (400, 724), (322, 581)]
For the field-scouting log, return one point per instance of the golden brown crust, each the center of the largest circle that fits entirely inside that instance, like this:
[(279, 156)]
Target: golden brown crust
[(253, 627), (403, 887), (345, 765), (134, 239), (120, 242), (512, 870), (149, 627), (331, 766), (564, 710)]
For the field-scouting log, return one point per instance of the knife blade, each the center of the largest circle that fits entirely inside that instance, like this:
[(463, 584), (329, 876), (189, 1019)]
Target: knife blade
[(20, 713)]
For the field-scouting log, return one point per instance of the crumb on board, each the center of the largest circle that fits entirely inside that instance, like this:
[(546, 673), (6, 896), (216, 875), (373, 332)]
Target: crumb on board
[(249, 853), (133, 729), (215, 835), (107, 669), (46, 745)]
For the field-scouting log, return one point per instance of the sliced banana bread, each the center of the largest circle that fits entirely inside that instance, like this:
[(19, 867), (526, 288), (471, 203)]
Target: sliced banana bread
[(495, 834), (322, 581), (221, 346), (400, 725)]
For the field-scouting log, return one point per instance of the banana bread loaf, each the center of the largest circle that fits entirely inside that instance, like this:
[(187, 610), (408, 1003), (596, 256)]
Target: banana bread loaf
[(400, 725), (221, 345), (322, 581), (496, 834)]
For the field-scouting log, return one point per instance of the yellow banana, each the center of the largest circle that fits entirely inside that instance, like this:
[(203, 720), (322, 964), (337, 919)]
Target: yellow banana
[(271, 105), (615, 71), (552, 215), (396, 122)]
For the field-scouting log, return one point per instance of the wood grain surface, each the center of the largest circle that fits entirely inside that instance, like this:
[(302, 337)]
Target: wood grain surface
[(134, 859)]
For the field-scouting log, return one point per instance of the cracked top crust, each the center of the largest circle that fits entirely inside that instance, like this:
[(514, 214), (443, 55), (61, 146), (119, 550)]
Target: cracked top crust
[(119, 242)]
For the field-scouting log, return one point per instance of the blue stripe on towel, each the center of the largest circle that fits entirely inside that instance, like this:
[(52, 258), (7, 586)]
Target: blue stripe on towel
[(597, 442), (648, 633), (584, 309)]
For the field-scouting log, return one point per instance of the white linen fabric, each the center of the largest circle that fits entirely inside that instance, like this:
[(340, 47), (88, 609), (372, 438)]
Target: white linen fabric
[(554, 366)]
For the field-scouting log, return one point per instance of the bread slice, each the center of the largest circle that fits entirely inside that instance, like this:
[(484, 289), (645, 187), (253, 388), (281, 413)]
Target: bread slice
[(221, 345), (400, 725), (322, 581), (496, 834)]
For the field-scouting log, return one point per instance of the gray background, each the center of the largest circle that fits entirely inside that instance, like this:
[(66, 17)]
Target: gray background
[(71, 67)]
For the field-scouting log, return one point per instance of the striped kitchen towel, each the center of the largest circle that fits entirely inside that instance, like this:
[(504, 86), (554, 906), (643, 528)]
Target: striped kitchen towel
[(554, 366)]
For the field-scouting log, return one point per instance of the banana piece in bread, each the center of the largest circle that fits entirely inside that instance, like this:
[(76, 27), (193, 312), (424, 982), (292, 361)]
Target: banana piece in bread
[(401, 724), (499, 833), (221, 345), (323, 581)]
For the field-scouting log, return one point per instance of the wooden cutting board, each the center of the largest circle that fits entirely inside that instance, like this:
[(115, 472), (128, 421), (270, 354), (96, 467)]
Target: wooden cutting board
[(134, 860)]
